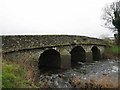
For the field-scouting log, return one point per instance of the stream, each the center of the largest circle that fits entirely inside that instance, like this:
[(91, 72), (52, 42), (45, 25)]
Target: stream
[(59, 78)]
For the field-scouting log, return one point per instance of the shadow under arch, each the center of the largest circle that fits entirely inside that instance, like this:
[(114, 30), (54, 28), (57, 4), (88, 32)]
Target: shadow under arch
[(78, 54), (49, 58), (96, 53)]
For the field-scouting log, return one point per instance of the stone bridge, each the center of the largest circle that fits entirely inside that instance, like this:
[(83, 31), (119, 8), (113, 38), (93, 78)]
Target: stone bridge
[(58, 51)]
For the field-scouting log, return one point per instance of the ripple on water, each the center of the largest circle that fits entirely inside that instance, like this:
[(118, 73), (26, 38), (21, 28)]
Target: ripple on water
[(85, 72), (115, 69)]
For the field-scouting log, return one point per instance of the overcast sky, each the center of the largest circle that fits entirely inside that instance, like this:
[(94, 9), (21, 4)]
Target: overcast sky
[(72, 17)]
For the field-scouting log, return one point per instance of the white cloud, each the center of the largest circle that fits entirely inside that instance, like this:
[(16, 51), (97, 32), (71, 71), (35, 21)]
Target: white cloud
[(52, 17)]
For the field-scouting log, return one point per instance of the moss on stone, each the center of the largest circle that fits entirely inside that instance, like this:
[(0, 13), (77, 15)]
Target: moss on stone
[(18, 42)]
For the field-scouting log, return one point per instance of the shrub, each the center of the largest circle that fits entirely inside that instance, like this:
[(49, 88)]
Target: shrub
[(115, 49), (13, 77)]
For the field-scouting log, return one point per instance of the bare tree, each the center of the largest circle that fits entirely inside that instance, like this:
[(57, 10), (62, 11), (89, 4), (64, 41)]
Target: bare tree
[(111, 17)]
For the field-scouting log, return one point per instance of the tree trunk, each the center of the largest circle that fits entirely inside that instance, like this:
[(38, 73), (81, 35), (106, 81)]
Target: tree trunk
[(118, 38)]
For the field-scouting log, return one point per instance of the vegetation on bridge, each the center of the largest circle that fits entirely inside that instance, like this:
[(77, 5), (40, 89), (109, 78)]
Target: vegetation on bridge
[(18, 42)]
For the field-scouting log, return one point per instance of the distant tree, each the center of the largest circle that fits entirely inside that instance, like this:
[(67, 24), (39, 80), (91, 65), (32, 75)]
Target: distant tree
[(111, 17)]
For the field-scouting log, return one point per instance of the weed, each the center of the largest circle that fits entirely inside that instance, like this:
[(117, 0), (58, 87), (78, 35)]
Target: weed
[(13, 77)]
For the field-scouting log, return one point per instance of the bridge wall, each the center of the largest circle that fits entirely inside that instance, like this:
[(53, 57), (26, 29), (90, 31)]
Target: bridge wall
[(30, 58), (18, 42)]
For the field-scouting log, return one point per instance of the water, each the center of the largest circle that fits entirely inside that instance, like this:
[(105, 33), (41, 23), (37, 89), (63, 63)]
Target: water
[(57, 78)]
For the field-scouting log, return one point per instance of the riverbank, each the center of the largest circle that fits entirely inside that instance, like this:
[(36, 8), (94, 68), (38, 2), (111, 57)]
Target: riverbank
[(13, 76), (112, 53), (97, 74)]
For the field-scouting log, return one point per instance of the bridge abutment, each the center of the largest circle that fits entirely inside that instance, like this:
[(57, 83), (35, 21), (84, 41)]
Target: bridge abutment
[(65, 58), (89, 57)]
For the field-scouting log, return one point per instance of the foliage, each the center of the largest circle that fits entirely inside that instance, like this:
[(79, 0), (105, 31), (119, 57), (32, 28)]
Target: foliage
[(112, 15), (0, 81), (13, 77), (115, 49), (112, 18)]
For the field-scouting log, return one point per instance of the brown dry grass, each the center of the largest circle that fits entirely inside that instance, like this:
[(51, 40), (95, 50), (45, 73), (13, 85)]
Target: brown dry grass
[(76, 82), (43, 84), (103, 82)]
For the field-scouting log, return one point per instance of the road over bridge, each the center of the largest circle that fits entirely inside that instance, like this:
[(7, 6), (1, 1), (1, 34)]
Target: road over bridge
[(58, 51)]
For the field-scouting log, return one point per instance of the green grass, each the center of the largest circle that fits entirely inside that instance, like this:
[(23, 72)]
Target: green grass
[(14, 77), (115, 49), (0, 80)]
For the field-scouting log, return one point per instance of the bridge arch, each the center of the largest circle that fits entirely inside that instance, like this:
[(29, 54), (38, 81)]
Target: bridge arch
[(95, 53), (49, 58), (78, 54)]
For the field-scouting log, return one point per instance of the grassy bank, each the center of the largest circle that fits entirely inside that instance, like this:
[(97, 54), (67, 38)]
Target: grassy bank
[(14, 77), (112, 53)]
